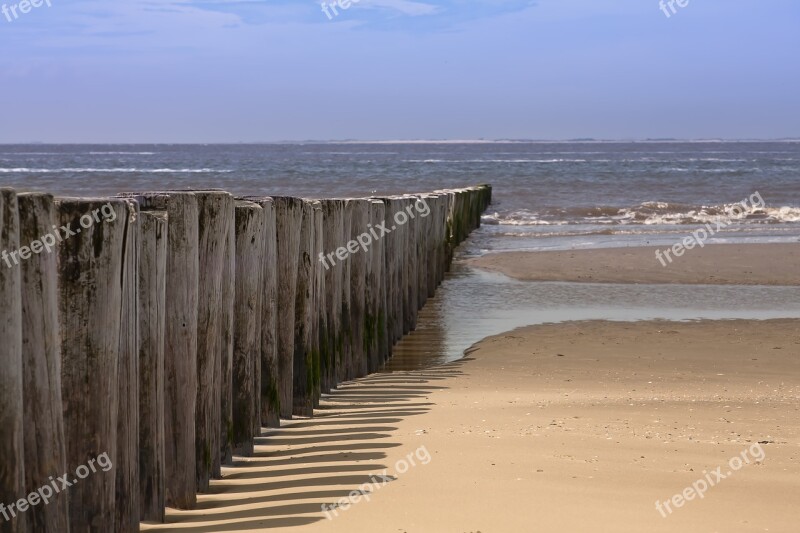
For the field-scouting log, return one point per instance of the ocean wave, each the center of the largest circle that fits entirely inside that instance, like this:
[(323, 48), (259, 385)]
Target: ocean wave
[(114, 170), (348, 153), (647, 214), (709, 170), (122, 153), (640, 231), (495, 161)]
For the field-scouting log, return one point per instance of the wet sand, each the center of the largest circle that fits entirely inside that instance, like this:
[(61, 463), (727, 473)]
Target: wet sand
[(737, 264), (571, 427)]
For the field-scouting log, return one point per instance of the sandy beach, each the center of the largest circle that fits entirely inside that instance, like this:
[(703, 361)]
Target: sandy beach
[(714, 264), (573, 427), (580, 426)]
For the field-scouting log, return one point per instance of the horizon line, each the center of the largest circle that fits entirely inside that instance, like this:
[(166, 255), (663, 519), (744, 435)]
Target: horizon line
[(586, 140)]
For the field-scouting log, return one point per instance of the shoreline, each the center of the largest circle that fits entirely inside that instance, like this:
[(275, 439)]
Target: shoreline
[(715, 264), (615, 419)]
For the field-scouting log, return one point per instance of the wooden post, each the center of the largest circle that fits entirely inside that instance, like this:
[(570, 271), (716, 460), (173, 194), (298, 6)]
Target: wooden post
[(91, 264), (319, 338), (462, 215), (422, 221), (346, 332), (270, 399), (368, 320), (289, 217), (358, 268), (409, 265), (225, 376), (12, 464), (415, 225), (457, 218), (441, 240), (152, 309), (428, 285), (377, 288), (303, 377), (396, 269), (180, 342), (404, 266), (126, 464), (266, 367), (333, 269), (41, 358), (250, 245), (215, 211), (388, 281), (450, 243)]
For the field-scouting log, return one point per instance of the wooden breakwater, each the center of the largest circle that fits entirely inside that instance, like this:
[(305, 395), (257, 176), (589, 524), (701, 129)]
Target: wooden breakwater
[(146, 338)]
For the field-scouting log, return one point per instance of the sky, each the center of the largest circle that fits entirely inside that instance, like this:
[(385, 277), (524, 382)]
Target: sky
[(184, 71)]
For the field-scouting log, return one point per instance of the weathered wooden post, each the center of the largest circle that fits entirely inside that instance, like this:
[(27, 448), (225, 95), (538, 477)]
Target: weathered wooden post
[(346, 332), (368, 317), (422, 221), (12, 464), (250, 245), (180, 342), (478, 204), (41, 358), (429, 283), (405, 266), (441, 240), (450, 242), (397, 270), (319, 340), (388, 283), (289, 218), (215, 209), (302, 370), (458, 205), (409, 266), (126, 464), (333, 273), (92, 262), (152, 385), (358, 268), (266, 366), (463, 215), (225, 376), (415, 224), (376, 287)]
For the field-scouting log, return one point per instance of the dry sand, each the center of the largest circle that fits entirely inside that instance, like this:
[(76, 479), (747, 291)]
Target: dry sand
[(572, 427), (748, 264)]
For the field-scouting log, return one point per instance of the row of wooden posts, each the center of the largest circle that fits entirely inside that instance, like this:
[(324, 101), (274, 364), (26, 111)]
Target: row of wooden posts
[(166, 332)]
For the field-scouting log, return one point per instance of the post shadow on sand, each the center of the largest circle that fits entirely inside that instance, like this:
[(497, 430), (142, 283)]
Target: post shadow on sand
[(335, 452)]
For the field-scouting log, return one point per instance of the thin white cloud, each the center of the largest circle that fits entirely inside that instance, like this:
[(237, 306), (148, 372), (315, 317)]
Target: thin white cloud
[(406, 7)]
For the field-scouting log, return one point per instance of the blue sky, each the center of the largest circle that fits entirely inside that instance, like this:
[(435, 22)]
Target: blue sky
[(252, 70)]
